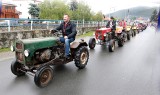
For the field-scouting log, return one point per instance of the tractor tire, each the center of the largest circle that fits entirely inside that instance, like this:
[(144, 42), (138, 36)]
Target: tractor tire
[(128, 36), (81, 57), (92, 43), (111, 46), (15, 68), (120, 42), (43, 76), (134, 32)]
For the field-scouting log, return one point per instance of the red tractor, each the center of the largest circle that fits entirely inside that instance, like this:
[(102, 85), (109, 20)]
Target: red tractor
[(103, 37)]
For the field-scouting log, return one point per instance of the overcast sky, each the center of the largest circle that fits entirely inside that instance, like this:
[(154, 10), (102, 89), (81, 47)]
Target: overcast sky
[(106, 6)]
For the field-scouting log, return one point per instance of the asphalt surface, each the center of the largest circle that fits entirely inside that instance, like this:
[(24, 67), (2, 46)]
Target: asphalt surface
[(130, 70)]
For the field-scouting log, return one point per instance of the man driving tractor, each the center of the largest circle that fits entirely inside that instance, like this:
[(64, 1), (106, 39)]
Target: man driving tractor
[(69, 32), (112, 24), (123, 24)]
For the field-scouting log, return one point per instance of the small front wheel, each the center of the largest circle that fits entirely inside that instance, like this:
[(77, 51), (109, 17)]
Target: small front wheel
[(16, 68), (92, 43), (111, 46), (43, 76)]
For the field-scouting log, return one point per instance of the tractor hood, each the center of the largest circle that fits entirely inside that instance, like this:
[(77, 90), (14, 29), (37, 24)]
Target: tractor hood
[(36, 43)]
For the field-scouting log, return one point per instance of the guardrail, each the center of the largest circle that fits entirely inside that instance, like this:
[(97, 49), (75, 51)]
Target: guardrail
[(8, 24)]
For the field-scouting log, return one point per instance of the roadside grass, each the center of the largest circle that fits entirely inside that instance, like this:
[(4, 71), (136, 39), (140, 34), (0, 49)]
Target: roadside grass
[(89, 33), (4, 50)]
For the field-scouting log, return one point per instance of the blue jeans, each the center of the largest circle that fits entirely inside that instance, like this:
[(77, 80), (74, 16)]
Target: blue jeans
[(67, 44)]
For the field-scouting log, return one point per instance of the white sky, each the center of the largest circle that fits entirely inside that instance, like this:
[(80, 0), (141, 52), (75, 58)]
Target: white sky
[(106, 6)]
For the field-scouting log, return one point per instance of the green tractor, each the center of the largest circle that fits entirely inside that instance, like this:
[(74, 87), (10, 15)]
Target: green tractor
[(37, 56)]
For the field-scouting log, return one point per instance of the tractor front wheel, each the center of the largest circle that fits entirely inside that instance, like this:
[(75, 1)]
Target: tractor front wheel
[(111, 46), (43, 76), (16, 68), (92, 43)]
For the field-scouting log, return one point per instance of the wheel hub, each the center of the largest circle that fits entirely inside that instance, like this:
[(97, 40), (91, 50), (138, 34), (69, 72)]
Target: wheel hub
[(45, 78), (83, 57)]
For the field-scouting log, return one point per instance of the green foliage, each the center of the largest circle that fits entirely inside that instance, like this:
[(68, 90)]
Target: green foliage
[(33, 10), (55, 9), (154, 16), (4, 49), (98, 16)]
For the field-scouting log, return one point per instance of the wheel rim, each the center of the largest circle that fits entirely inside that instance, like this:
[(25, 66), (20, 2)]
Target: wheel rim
[(45, 77), (83, 57), (113, 47)]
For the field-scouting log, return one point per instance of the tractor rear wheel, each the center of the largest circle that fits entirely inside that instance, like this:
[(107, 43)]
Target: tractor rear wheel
[(81, 57)]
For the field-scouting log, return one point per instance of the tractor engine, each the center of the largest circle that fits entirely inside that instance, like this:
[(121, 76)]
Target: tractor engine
[(48, 54)]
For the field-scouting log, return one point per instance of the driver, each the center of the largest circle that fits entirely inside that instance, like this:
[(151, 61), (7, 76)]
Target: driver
[(69, 32), (112, 24)]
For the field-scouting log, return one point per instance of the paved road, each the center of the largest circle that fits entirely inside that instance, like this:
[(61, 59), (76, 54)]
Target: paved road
[(131, 70)]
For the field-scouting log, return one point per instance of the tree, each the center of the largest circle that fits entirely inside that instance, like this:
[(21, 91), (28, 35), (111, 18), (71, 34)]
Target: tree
[(54, 9), (83, 12), (74, 5), (154, 16), (98, 16), (33, 10)]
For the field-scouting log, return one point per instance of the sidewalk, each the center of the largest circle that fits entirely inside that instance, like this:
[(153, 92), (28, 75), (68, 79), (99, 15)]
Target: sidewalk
[(6, 55)]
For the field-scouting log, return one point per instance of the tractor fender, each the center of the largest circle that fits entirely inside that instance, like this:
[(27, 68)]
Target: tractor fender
[(75, 45)]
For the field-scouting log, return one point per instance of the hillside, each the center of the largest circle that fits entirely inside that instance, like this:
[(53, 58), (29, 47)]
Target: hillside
[(141, 11)]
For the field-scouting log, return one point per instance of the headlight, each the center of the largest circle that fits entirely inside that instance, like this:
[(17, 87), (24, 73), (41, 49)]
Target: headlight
[(26, 53), (105, 34), (93, 34), (12, 48)]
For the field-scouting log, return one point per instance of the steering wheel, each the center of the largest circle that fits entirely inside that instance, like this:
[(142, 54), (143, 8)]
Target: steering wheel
[(56, 33)]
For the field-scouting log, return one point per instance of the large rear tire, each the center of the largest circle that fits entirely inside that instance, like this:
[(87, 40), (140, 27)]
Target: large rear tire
[(134, 32), (81, 57), (128, 36), (120, 42), (43, 76), (92, 43), (15, 68)]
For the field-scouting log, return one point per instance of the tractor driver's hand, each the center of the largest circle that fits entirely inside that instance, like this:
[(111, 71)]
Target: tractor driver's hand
[(65, 37)]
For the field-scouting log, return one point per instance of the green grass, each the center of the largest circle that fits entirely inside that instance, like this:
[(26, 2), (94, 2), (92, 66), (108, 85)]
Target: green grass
[(4, 50), (90, 33)]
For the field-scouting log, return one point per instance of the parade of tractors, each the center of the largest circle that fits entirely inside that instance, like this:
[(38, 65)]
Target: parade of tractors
[(37, 56)]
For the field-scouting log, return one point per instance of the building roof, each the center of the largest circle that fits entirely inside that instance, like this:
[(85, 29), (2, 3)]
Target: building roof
[(9, 4)]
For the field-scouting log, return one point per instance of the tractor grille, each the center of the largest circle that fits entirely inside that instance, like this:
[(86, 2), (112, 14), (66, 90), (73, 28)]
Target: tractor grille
[(18, 45), (19, 56), (99, 34), (19, 52)]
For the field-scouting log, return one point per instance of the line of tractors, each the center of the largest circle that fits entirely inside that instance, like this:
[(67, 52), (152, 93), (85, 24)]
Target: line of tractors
[(103, 36), (37, 56)]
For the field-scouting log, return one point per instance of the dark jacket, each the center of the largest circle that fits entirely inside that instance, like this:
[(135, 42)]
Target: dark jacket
[(68, 30), (113, 23)]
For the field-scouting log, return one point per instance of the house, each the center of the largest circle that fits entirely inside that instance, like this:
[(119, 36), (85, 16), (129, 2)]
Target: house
[(9, 11)]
